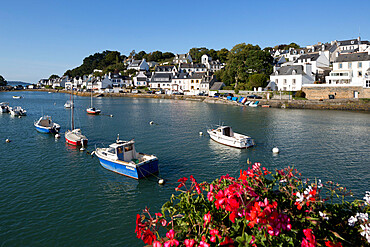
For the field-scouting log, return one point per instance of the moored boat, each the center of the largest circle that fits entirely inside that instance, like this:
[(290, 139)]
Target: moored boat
[(92, 110), (121, 157), (4, 107), (17, 111), (225, 135), (46, 125), (68, 104), (17, 97)]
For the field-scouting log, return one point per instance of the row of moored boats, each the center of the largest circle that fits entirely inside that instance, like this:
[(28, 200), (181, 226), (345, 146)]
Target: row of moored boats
[(14, 111)]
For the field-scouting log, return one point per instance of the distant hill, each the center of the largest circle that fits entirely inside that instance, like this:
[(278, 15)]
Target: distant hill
[(16, 83)]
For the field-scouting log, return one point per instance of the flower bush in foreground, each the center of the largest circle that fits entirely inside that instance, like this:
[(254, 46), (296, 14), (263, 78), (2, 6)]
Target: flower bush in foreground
[(258, 209)]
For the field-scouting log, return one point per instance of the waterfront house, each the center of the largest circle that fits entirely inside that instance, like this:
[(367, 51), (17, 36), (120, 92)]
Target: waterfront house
[(138, 65), (319, 62), (291, 78), (193, 67), (141, 79), (182, 58)]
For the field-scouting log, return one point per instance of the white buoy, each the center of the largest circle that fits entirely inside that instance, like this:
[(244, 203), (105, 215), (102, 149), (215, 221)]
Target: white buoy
[(275, 150), (200, 133), (7, 140), (161, 181), (57, 136), (111, 115), (19, 116), (151, 122), (82, 149)]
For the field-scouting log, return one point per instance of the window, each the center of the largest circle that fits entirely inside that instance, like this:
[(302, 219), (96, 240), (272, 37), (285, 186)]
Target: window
[(340, 65), (284, 81), (360, 73), (293, 82), (350, 65), (367, 83), (276, 81), (360, 64)]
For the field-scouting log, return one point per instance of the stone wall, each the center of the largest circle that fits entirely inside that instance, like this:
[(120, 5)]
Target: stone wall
[(345, 92)]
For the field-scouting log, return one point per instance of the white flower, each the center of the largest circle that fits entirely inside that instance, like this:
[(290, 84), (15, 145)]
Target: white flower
[(323, 215), (319, 184), (367, 198), (300, 197), (352, 221), (366, 231), (363, 217), (283, 181)]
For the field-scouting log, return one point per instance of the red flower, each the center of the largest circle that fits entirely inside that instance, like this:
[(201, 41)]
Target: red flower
[(157, 244), (172, 241), (228, 242), (182, 182), (331, 244), (189, 242), (310, 240), (139, 226), (148, 237)]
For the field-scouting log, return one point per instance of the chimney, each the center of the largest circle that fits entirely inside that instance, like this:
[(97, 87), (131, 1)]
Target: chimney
[(307, 68)]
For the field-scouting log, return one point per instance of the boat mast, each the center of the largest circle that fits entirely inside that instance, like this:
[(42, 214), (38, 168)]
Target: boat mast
[(72, 108), (91, 95)]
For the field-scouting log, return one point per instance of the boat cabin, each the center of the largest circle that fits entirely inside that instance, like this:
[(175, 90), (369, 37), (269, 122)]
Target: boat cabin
[(46, 122), (122, 150), (226, 131)]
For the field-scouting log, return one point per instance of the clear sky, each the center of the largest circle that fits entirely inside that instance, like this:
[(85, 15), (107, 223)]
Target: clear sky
[(39, 38)]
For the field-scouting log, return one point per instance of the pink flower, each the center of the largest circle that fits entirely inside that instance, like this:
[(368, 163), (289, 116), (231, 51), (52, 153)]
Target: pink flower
[(203, 244), (157, 244), (172, 241), (310, 240), (189, 242), (207, 218)]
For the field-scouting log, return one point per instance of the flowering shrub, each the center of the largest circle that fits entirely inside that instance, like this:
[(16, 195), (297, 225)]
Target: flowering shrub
[(258, 209)]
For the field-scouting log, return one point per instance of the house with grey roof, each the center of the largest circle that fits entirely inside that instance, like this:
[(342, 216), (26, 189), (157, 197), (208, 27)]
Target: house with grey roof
[(211, 65), (142, 79), (193, 67), (192, 83), (320, 64), (138, 65), (291, 78), (182, 58)]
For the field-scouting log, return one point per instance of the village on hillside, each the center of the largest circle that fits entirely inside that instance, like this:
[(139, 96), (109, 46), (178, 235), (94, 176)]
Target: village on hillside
[(338, 69)]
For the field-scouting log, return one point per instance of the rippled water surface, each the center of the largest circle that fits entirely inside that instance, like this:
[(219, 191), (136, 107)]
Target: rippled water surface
[(53, 195)]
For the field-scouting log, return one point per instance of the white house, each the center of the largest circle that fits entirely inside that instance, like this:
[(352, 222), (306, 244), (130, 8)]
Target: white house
[(182, 58), (141, 79), (352, 69), (291, 78), (138, 65), (196, 68), (211, 65), (320, 64)]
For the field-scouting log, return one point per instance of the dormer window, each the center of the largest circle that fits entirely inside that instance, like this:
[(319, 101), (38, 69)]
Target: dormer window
[(294, 72), (352, 42)]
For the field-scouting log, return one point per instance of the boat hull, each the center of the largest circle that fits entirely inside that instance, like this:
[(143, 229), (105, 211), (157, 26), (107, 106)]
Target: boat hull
[(76, 143), (138, 171), (230, 141), (46, 129), (97, 112)]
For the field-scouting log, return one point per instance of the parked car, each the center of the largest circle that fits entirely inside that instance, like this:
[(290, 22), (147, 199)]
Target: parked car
[(150, 92), (177, 93), (253, 96)]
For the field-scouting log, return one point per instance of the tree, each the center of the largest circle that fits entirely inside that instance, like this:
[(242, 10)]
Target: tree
[(3, 82), (222, 55), (140, 55), (197, 53), (257, 80), (54, 77), (245, 60)]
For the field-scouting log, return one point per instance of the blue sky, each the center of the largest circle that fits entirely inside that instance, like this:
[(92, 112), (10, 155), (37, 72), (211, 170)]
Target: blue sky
[(40, 38)]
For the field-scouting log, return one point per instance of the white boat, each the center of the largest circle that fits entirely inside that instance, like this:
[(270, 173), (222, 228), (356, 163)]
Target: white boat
[(17, 97), (225, 135), (4, 107), (46, 125), (121, 157), (68, 104), (254, 104), (17, 111), (74, 136)]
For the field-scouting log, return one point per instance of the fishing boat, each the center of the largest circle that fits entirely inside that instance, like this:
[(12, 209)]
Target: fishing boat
[(46, 125), (17, 111), (4, 107), (92, 110), (225, 135), (121, 157), (74, 136)]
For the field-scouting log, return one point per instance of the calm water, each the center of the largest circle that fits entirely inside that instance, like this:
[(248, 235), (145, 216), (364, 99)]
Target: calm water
[(53, 195)]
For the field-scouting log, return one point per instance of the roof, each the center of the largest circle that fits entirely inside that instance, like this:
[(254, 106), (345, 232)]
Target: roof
[(288, 70), (349, 42), (189, 65), (363, 56), (164, 68), (135, 63), (311, 56), (217, 86)]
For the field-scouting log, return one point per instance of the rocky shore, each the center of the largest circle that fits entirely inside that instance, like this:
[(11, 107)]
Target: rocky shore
[(327, 104)]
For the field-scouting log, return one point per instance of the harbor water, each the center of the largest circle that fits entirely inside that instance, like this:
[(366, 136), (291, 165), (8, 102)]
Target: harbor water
[(52, 194)]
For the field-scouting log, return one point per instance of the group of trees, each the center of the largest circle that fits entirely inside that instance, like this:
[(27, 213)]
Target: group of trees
[(197, 53), (247, 66), (3, 82), (155, 56), (107, 61)]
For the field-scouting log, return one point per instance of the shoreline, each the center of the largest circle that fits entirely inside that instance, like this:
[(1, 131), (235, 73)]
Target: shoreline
[(326, 104)]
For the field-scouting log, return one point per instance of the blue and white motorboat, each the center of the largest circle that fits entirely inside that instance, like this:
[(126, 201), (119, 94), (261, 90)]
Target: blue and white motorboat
[(46, 125), (17, 111), (4, 107), (121, 157)]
